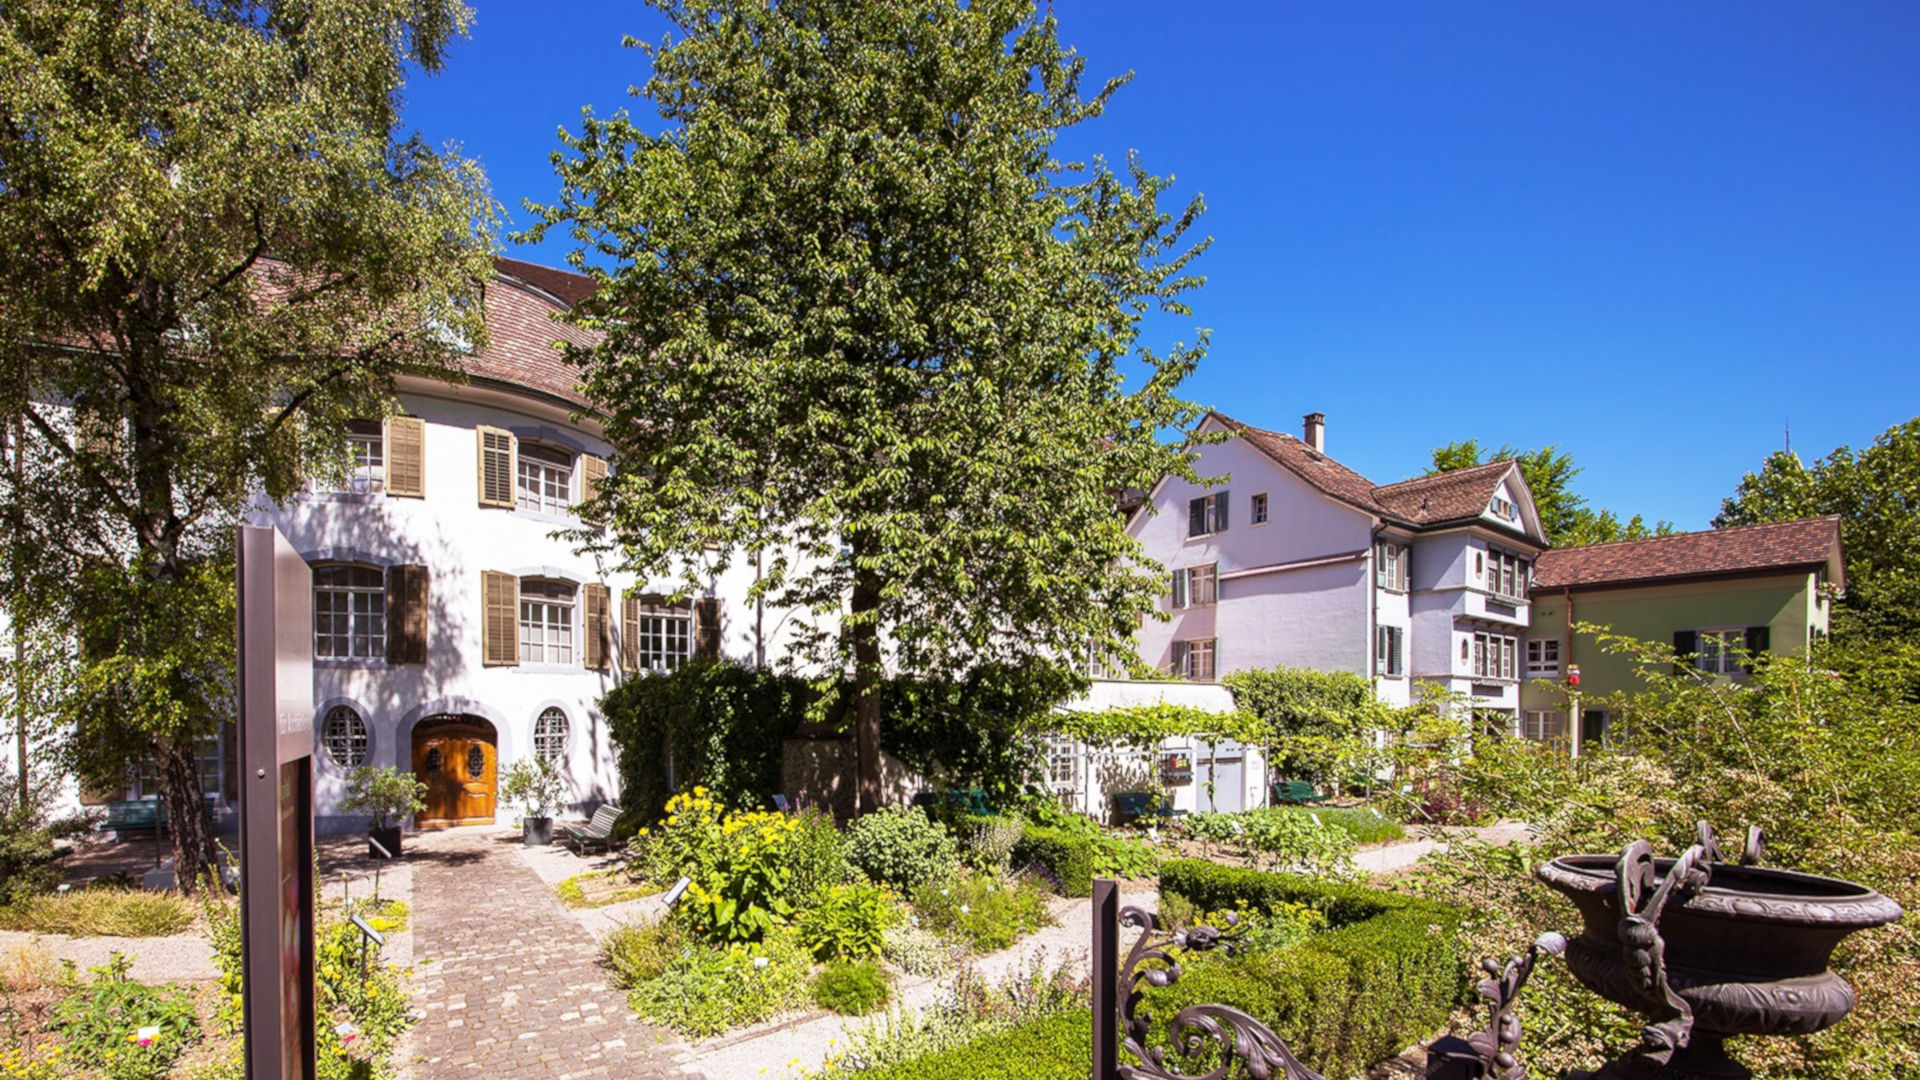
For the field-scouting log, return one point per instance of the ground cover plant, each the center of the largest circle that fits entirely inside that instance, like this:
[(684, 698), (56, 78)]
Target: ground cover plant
[(599, 888), (987, 913), (852, 988), (1277, 839), (707, 988), (106, 1023), (1363, 823)]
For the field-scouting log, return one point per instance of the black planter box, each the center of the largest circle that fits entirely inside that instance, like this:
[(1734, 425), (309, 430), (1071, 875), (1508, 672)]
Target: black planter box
[(538, 830)]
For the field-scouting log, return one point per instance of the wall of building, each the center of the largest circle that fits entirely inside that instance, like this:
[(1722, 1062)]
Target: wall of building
[(1789, 605), (1238, 773)]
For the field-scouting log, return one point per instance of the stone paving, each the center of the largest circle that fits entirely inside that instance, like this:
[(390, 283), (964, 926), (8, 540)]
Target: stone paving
[(507, 980)]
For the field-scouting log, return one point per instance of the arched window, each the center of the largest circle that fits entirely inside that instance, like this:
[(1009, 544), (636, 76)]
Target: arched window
[(349, 613), (344, 735), (550, 736)]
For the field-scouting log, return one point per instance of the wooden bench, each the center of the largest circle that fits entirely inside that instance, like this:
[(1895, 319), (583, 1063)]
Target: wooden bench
[(597, 833), (1295, 793)]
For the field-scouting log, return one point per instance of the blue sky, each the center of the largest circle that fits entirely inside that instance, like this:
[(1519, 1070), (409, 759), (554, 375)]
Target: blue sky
[(1651, 233)]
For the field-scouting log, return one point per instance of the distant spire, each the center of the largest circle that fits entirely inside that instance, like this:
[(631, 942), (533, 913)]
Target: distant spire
[(1789, 435)]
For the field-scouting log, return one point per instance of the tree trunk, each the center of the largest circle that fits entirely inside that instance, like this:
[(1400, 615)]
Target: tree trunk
[(867, 673), (195, 851)]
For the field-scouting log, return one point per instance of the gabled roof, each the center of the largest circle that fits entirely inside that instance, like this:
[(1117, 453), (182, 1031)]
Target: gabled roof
[(1423, 502), (1749, 549)]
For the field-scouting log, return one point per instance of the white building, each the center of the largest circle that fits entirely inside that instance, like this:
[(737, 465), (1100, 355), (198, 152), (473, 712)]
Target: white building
[(1295, 560)]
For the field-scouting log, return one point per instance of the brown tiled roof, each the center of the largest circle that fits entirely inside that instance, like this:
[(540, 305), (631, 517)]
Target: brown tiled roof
[(1787, 545), (564, 284), (1447, 496), (521, 333), (1428, 500)]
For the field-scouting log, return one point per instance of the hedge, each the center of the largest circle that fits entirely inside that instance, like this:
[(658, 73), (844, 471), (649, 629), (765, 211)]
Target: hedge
[(1057, 1047), (1068, 856), (1382, 978)]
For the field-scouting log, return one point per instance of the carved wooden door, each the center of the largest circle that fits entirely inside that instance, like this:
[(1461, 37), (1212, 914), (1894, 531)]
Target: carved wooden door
[(458, 765)]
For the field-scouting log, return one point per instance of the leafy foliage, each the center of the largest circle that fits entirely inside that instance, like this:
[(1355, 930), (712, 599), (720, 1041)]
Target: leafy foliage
[(27, 857), (917, 950), (218, 246), (1876, 492), (385, 794), (989, 842), (1146, 726), (637, 952), (856, 300), (854, 988), (899, 847), (536, 784), (1319, 724), (708, 989), (1280, 839), (987, 913), (848, 922), (100, 1021), (741, 887)]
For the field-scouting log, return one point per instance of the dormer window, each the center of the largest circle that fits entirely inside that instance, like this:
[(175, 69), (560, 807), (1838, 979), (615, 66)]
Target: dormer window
[(1503, 508), (545, 480)]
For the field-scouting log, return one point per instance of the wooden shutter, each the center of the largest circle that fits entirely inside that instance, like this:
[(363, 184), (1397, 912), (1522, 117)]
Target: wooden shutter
[(406, 615), (498, 454), (1685, 644), (499, 619), (1197, 516), (630, 633), (706, 628), (597, 599), (407, 456), (1759, 640), (1220, 504), (1179, 589), (593, 471)]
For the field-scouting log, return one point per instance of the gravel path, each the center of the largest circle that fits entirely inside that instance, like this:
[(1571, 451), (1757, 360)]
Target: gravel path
[(175, 958)]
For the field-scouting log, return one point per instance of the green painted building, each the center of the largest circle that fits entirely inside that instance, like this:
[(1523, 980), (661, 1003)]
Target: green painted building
[(1715, 596)]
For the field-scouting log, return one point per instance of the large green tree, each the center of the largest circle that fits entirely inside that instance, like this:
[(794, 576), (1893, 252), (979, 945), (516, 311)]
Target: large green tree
[(214, 251), (862, 323), (1876, 492), (1565, 516)]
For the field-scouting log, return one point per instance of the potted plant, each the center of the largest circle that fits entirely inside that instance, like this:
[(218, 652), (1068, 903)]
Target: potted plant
[(538, 787), (385, 796)]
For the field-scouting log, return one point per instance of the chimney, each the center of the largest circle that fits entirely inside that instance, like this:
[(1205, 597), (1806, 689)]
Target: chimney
[(1316, 436)]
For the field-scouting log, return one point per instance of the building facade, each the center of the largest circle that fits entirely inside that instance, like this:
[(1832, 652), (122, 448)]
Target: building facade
[(1295, 560), (1718, 598)]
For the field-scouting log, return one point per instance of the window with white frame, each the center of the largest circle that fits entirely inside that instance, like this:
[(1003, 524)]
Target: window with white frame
[(665, 640), (1194, 659), (349, 613), (550, 736), (1543, 725), (1207, 514), (1507, 575), (1063, 762), (545, 480), (367, 462), (1258, 514), (1390, 566), (546, 622), (344, 737), (1543, 657), (1720, 652), (1196, 586), (1390, 650), (1493, 656)]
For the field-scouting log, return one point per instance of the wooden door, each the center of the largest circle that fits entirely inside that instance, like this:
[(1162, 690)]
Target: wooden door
[(458, 765)]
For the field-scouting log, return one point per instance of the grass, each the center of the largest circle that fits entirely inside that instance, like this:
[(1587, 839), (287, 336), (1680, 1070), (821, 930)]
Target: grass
[(599, 888), (27, 967), (1359, 822), (100, 912)]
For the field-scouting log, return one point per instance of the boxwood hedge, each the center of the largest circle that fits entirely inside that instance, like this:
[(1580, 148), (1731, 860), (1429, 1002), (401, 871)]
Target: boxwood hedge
[(1380, 979), (1068, 856)]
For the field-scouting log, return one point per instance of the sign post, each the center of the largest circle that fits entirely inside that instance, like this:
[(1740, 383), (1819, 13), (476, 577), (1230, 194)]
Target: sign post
[(276, 806)]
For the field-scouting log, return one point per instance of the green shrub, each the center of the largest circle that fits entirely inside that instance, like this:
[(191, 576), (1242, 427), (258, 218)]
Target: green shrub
[(1113, 855), (1056, 1047), (99, 1020), (899, 847), (917, 950), (988, 842), (817, 854), (1363, 823), (709, 989), (102, 911), (27, 856), (1066, 856), (1382, 977), (969, 1010), (1280, 839), (847, 922), (987, 913), (636, 952), (852, 989)]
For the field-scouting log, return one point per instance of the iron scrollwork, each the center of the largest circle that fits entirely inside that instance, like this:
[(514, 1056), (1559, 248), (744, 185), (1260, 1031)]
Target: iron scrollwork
[(1229, 1037)]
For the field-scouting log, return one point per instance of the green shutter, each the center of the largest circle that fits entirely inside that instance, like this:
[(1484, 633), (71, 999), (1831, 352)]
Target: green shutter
[(1685, 644)]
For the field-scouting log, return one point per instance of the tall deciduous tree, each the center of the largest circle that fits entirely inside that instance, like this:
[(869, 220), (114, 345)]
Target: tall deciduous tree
[(213, 253), (864, 322), (1565, 516), (1876, 492)]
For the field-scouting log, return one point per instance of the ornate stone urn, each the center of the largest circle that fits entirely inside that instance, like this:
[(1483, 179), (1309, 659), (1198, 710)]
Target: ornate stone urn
[(1709, 949)]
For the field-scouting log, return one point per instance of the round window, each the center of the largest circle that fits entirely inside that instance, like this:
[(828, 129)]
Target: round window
[(550, 736), (344, 735)]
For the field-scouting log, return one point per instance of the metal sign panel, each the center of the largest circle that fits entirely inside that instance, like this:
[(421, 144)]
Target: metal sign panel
[(276, 806)]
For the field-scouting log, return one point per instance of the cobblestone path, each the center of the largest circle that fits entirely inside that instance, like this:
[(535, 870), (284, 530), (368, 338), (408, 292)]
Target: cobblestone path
[(508, 980)]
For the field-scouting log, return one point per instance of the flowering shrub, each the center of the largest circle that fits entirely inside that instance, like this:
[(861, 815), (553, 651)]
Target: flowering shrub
[(739, 862)]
